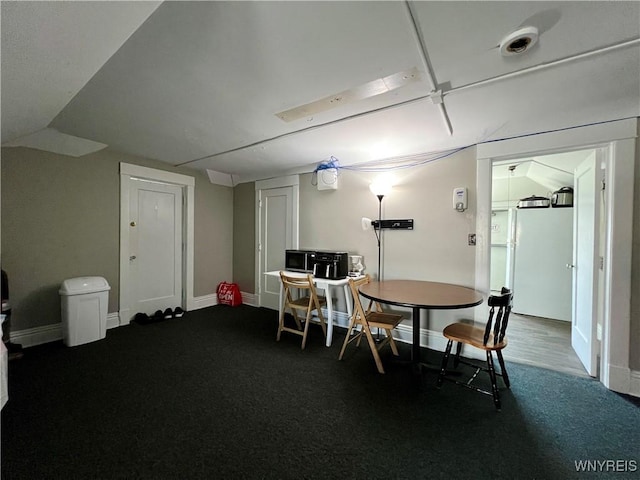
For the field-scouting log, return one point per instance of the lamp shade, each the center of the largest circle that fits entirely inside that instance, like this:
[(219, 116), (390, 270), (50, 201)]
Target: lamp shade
[(380, 187)]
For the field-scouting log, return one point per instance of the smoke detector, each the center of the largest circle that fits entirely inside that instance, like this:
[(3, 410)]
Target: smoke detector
[(519, 41)]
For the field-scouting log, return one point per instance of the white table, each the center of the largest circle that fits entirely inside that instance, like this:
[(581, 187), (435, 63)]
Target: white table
[(324, 284)]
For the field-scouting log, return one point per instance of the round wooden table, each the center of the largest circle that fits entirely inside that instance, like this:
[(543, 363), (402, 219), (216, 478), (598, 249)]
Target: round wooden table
[(418, 295)]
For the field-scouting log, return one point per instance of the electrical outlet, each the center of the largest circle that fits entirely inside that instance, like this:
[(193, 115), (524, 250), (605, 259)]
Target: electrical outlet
[(472, 239)]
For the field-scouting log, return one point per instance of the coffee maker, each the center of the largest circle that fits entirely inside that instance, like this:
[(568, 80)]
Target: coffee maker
[(331, 265), (355, 265)]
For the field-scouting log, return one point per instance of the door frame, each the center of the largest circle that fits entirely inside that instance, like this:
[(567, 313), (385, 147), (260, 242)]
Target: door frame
[(128, 171), (287, 181), (618, 138)]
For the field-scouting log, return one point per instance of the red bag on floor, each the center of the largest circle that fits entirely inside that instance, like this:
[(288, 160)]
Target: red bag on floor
[(229, 294)]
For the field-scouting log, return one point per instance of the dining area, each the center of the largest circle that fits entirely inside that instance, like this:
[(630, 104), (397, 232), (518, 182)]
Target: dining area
[(421, 297), (417, 277), (377, 309)]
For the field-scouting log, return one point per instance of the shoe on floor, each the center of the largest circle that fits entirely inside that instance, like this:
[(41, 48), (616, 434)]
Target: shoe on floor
[(141, 318), (158, 316), (168, 314), (178, 312)]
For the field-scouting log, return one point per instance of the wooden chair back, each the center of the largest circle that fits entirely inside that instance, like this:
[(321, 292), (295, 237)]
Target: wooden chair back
[(498, 321), (299, 283), (358, 309), (307, 300)]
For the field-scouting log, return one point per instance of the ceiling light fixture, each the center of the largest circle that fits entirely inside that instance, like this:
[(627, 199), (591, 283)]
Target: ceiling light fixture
[(361, 92), (519, 41)]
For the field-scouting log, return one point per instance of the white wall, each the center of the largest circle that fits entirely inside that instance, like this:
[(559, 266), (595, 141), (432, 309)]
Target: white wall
[(437, 249)]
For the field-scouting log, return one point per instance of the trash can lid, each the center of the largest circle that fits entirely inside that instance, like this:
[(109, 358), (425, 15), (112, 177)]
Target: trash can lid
[(80, 285)]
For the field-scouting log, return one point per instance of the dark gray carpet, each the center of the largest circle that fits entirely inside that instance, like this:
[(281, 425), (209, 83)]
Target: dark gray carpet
[(213, 395)]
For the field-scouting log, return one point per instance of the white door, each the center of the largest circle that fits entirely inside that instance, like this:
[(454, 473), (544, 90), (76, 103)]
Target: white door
[(155, 246), (278, 232), (585, 261)]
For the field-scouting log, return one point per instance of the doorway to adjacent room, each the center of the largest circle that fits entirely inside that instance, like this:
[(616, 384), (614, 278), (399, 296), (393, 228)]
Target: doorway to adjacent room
[(535, 253), (608, 359)]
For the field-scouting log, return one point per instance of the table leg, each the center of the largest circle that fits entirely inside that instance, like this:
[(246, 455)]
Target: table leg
[(415, 347), (418, 366), (348, 301), (329, 315)]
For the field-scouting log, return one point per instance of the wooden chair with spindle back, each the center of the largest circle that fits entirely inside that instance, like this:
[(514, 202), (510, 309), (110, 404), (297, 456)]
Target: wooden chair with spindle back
[(490, 339)]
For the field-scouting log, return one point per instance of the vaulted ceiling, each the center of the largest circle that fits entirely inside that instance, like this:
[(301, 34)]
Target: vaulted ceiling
[(251, 90)]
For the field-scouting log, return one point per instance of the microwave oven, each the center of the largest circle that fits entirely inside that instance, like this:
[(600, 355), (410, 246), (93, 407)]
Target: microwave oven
[(299, 260)]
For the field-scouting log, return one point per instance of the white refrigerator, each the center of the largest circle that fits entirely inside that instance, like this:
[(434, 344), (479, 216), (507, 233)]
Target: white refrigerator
[(543, 255)]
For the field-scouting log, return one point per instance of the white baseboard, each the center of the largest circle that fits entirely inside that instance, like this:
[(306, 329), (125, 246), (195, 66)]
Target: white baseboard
[(250, 299), (212, 299), (124, 317), (113, 320), (619, 379), (428, 338), (30, 337), (205, 301), (634, 384), (340, 319), (404, 333)]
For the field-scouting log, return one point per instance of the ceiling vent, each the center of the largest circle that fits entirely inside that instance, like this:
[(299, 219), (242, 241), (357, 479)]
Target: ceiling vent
[(519, 41)]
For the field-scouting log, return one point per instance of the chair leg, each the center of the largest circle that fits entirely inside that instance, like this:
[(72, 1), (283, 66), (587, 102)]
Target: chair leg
[(374, 348), (280, 325), (503, 369), (346, 339), (323, 323), (294, 313), (306, 328), (392, 342), (456, 359), (494, 385), (445, 360)]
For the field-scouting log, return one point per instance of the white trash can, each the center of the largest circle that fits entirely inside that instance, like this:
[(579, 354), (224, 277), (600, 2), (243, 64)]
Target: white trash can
[(84, 302)]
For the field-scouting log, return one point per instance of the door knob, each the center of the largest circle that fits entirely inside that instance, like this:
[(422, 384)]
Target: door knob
[(568, 265), (132, 257)]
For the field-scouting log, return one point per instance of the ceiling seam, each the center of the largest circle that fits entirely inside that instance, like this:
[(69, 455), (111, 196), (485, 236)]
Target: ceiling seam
[(626, 44), (417, 33)]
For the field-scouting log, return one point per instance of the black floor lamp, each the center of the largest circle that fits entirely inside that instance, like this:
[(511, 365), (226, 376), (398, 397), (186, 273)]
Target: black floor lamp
[(379, 189)]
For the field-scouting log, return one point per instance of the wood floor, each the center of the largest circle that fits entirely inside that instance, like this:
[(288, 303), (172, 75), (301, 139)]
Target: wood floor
[(542, 342)]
